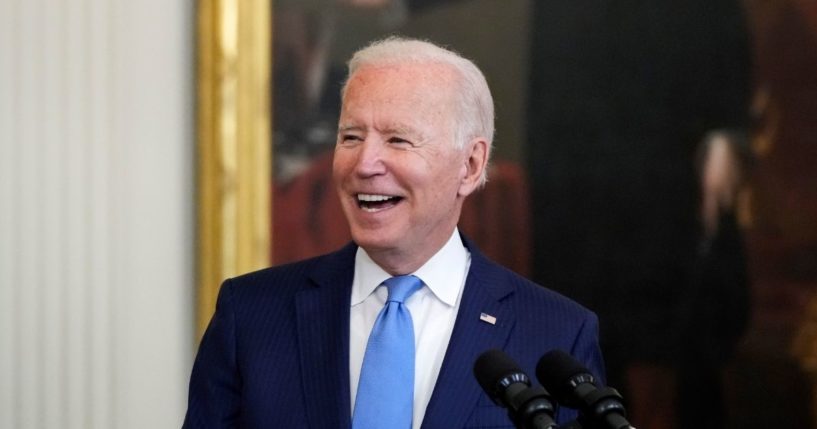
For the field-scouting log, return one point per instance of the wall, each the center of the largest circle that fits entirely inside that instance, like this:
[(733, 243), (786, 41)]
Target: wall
[(96, 212)]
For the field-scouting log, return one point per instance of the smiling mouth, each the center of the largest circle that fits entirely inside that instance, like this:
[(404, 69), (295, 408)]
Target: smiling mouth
[(374, 202)]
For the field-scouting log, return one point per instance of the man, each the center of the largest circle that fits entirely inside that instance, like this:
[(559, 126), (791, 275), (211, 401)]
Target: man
[(294, 346)]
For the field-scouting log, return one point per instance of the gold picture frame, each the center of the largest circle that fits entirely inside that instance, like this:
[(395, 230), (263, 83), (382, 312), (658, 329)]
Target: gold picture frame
[(233, 144)]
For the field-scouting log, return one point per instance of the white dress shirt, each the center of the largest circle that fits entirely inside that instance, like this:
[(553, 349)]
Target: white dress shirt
[(433, 312)]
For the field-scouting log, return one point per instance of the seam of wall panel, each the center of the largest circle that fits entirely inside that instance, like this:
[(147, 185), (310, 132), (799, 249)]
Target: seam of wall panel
[(114, 219), (63, 100), (26, 241)]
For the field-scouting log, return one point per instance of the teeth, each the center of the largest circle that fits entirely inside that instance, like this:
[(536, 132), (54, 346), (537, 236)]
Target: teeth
[(373, 198)]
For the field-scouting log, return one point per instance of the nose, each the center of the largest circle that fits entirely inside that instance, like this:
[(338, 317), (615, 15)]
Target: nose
[(369, 159)]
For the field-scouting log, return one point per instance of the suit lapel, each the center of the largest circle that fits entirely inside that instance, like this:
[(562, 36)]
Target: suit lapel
[(322, 310), (457, 391)]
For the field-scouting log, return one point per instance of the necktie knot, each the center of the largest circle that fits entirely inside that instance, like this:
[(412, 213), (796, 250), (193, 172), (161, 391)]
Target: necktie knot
[(402, 287)]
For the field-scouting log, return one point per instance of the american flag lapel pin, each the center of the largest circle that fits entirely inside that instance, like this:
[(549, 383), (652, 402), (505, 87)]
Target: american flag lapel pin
[(485, 317)]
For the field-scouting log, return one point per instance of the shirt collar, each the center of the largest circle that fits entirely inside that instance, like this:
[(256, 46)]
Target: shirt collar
[(437, 273)]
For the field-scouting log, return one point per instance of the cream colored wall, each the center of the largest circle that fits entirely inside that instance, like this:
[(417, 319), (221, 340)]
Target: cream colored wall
[(96, 212)]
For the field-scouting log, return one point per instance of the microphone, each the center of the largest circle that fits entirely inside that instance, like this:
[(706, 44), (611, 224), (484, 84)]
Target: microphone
[(574, 386), (509, 387)]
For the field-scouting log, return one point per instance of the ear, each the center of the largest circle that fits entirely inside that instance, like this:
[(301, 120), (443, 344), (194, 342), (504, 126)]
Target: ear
[(474, 164)]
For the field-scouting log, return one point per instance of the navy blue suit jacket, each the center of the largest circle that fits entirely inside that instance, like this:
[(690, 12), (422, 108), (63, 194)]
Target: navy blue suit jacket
[(276, 353)]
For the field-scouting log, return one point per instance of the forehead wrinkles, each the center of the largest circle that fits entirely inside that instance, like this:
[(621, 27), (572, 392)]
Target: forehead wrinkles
[(424, 92), (414, 82)]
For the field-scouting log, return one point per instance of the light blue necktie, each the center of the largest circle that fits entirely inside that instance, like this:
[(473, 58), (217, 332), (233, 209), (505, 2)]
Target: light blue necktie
[(385, 393)]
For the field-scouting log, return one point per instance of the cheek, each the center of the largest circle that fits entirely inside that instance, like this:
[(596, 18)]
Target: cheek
[(340, 165), (451, 169), (443, 183)]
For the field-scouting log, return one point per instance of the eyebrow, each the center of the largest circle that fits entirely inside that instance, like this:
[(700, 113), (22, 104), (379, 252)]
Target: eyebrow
[(344, 128), (392, 129), (401, 129)]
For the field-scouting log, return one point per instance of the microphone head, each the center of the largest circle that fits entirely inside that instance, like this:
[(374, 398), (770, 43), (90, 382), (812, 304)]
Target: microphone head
[(495, 371), (561, 375)]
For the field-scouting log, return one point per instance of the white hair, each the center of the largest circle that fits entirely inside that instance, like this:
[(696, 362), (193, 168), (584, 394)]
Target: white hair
[(475, 106)]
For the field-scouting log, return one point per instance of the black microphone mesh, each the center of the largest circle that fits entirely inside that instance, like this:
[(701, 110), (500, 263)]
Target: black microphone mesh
[(555, 369), (492, 366)]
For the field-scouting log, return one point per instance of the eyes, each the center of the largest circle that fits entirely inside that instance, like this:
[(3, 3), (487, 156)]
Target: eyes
[(346, 138), (352, 138), (398, 140)]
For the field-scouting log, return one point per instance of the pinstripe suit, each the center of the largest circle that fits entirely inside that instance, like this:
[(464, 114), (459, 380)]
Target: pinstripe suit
[(276, 353)]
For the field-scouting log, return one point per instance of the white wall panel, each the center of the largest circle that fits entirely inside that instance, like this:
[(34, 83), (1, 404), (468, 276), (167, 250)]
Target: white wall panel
[(8, 185), (96, 212)]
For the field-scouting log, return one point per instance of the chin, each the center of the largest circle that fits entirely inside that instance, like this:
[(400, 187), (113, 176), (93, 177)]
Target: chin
[(373, 239)]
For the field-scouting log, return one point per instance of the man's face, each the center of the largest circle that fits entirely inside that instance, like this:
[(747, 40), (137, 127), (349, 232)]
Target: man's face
[(400, 178)]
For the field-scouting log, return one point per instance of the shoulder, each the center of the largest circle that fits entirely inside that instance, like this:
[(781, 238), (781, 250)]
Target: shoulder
[(539, 312), (543, 319), (527, 293), (287, 279), (531, 295)]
